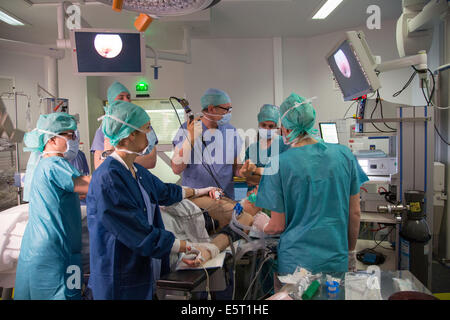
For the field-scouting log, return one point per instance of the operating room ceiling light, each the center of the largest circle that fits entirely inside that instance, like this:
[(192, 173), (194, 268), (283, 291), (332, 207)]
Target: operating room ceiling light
[(9, 18), (326, 9), (108, 45), (165, 7)]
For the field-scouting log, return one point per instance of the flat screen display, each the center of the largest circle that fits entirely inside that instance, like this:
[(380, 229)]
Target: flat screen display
[(328, 132), (348, 72), (108, 53)]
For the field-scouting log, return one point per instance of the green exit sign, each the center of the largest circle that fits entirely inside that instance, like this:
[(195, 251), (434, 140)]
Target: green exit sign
[(142, 86)]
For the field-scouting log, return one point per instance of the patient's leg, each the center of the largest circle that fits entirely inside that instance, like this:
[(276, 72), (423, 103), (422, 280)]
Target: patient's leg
[(222, 210), (222, 240)]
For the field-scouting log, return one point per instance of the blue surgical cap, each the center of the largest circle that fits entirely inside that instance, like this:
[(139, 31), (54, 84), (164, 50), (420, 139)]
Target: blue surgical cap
[(298, 114), (127, 112), (114, 90), (214, 97), (52, 124), (269, 112)]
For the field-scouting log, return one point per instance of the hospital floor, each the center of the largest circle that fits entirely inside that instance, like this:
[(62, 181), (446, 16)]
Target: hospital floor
[(440, 283)]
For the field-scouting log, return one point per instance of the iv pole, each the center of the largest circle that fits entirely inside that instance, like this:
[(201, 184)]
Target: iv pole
[(15, 93)]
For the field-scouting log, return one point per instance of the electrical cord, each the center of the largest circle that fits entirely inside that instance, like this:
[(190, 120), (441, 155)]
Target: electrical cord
[(271, 287), (207, 283), (384, 238), (381, 110), (369, 256), (233, 254), (349, 109), (406, 85), (207, 168), (256, 276), (373, 111), (430, 102), (344, 118)]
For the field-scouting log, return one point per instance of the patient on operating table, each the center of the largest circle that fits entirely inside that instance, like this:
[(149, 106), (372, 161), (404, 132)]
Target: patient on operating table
[(220, 210)]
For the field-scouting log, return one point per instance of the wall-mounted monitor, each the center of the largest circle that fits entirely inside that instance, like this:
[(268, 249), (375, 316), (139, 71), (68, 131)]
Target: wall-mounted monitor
[(353, 66), (101, 52)]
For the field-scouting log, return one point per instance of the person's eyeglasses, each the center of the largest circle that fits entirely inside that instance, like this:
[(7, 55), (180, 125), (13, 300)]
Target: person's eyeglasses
[(226, 109), (70, 135)]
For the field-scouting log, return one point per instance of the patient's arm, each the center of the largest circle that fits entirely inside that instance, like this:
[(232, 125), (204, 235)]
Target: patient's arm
[(222, 210), (221, 241)]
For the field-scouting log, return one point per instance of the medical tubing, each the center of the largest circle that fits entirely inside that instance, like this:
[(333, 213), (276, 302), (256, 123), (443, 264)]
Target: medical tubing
[(256, 276), (251, 245), (233, 253), (206, 167)]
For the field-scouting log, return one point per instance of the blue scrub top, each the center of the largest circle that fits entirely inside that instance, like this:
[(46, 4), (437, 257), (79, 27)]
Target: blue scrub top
[(223, 146), (313, 189), (80, 163), (122, 242), (52, 239), (261, 157), (98, 144)]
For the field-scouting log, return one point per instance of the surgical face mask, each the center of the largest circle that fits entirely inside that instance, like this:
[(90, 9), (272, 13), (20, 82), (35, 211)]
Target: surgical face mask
[(144, 152), (152, 141), (267, 134), (225, 119), (72, 147)]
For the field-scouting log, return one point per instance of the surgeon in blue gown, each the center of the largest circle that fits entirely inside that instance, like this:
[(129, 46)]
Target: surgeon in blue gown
[(49, 266), (206, 150), (313, 198), (129, 245)]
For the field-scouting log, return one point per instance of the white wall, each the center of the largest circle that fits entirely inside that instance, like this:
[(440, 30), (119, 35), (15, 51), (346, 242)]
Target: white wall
[(241, 67), (170, 81)]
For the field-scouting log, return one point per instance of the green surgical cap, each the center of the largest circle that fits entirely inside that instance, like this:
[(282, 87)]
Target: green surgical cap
[(214, 97), (269, 112), (300, 119), (114, 90), (58, 122), (127, 112)]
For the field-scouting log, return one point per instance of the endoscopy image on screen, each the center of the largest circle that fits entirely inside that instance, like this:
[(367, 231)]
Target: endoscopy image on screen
[(104, 52), (348, 73)]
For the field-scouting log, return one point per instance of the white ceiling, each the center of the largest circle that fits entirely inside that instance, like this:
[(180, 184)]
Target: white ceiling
[(228, 19)]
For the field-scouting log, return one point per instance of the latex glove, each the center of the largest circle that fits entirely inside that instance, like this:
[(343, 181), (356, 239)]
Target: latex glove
[(248, 169), (260, 221), (195, 129), (192, 253), (207, 250), (206, 191), (352, 261)]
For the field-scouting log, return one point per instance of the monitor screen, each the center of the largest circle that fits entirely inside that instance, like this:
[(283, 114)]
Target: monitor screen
[(328, 132), (107, 52), (348, 72)]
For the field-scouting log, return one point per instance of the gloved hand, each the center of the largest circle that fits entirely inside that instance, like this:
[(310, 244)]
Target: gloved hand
[(352, 261), (195, 129), (260, 221), (247, 169), (206, 191), (207, 250), (192, 253)]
